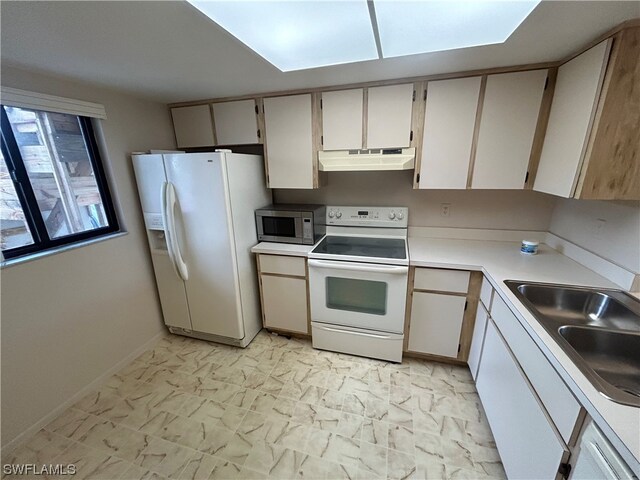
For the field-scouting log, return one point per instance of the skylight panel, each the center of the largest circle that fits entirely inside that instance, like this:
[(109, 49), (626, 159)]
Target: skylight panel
[(296, 35), (413, 27)]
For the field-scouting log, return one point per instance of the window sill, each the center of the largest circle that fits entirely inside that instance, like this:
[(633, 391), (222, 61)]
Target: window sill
[(54, 251)]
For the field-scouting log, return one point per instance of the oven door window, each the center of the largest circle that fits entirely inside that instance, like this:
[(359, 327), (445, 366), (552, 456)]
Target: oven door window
[(354, 295), (279, 226)]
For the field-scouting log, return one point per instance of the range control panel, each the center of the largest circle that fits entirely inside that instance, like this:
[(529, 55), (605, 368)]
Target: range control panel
[(391, 217)]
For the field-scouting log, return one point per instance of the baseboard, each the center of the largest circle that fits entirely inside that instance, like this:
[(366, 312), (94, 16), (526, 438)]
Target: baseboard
[(611, 271), (31, 431)]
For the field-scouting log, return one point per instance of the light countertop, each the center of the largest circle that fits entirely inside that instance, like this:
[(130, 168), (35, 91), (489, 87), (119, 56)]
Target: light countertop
[(501, 261)]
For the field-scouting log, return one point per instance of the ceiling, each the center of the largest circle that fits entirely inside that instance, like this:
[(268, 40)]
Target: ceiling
[(170, 52)]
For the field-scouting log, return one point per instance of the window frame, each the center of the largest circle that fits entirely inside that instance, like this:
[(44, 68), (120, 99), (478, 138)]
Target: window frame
[(42, 242)]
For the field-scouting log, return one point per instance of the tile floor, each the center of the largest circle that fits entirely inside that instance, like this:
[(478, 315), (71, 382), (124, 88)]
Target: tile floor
[(189, 409)]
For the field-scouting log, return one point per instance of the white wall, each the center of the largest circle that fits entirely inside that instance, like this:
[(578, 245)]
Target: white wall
[(609, 229), (70, 317), (491, 209)]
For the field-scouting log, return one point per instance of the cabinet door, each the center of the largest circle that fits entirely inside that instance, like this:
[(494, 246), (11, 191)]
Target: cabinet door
[(449, 123), (289, 141), (435, 324), (528, 445), (284, 300), (389, 116), (477, 340), (342, 119), (574, 102), (193, 126), (236, 122), (507, 127)]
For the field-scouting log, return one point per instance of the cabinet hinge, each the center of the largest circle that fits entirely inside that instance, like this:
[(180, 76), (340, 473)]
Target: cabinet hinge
[(526, 177), (466, 302), (546, 83), (418, 178), (320, 104), (564, 469), (458, 348), (411, 136), (413, 99), (257, 110), (321, 139), (258, 133), (424, 95)]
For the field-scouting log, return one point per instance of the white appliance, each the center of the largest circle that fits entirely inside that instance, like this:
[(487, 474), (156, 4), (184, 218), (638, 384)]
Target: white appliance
[(358, 282), (198, 210), (597, 459), (367, 160)]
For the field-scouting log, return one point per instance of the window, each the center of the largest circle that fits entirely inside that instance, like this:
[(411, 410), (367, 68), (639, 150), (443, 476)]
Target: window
[(53, 187)]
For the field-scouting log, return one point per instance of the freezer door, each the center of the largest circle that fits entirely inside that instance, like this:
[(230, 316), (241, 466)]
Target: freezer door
[(205, 240), (150, 177)]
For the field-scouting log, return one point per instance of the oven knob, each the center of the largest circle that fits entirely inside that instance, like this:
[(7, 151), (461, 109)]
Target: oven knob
[(400, 215), (392, 215), (332, 214), (338, 214)]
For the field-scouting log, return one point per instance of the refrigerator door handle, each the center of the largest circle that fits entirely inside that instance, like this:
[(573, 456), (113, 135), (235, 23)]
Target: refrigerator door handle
[(168, 209)]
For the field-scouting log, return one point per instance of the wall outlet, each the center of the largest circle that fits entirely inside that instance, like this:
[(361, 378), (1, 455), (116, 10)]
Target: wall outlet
[(445, 209)]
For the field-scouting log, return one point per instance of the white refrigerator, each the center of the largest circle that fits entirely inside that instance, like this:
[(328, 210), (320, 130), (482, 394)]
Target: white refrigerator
[(199, 214)]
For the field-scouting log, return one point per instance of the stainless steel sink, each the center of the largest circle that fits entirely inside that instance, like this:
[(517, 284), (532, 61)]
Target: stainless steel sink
[(599, 329)]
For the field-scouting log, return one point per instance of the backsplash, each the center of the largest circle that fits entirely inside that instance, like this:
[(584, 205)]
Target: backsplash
[(490, 209)]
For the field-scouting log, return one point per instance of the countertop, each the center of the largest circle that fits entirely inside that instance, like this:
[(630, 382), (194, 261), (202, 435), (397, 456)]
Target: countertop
[(501, 261)]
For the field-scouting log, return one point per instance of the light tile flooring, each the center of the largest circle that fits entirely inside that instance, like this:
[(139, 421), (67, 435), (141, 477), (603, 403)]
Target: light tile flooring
[(189, 409)]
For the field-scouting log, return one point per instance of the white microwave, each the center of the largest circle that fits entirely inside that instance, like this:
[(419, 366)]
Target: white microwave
[(303, 224)]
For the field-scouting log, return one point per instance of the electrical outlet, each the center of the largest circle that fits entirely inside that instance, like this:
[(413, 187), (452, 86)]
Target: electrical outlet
[(445, 209)]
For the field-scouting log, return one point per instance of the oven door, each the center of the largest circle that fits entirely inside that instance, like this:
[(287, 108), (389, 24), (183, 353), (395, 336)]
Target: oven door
[(284, 227), (364, 295)]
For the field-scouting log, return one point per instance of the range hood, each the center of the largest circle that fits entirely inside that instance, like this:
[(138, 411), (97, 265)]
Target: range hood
[(367, 160)]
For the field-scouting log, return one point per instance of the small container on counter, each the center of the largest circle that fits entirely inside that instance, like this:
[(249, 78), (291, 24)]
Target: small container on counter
[(529, 247)]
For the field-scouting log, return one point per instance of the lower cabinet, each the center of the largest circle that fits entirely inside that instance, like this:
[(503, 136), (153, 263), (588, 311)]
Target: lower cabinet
[(283, 293), (436, 321), (477, 340), (528, 444)]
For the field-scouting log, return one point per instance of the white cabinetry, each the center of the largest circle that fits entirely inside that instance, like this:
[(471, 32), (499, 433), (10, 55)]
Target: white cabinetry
[(389, 112), (193, 126), (477, 340), (449, 123), (507, 127), (529, 446), (575, 99), (342, 119), (289, 141), (283, 290), (236, 122)]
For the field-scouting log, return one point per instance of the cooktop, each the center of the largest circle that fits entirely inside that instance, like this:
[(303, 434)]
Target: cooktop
[(362, 246)]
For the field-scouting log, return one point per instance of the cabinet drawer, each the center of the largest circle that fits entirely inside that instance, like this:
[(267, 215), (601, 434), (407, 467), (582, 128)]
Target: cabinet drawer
[(441, 280), (560, 403), (486, 293), (283, 265)]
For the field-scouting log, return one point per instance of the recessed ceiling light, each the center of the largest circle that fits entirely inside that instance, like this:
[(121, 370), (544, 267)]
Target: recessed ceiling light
[(296, 35), (412, 27)]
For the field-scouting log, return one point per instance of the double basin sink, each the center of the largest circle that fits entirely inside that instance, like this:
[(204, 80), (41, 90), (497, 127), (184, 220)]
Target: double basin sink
[(599, 329)]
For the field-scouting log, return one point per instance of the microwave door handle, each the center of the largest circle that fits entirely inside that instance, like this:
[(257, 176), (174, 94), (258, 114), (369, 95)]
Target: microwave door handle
[(395, 270)]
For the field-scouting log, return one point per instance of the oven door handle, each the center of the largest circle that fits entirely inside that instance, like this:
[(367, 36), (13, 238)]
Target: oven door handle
[(390, 269)]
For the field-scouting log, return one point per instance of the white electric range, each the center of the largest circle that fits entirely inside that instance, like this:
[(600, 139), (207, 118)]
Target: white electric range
[(358, 282)]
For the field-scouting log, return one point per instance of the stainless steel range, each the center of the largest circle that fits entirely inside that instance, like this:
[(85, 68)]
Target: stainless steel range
[(358, 282)]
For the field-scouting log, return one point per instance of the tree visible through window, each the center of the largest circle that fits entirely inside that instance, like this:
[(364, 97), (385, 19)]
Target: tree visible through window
[(51, 181)]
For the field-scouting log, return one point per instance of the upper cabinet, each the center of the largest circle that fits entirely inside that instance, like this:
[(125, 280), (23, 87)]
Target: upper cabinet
[(193, 126), (389, 111), (591, 145), (507, 128), (342, 119), (236, 123), (289, 142), (449, 123)]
